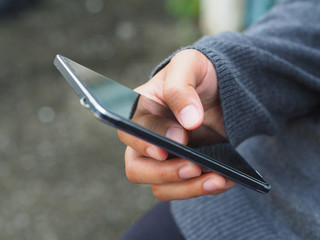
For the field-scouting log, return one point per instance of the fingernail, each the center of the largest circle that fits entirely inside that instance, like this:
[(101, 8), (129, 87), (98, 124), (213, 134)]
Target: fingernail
[(189, 116), (188, 172), (175, 133), (211, 185)]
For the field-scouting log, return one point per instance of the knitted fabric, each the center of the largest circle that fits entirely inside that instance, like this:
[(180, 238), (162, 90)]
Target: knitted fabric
[(269, 86)]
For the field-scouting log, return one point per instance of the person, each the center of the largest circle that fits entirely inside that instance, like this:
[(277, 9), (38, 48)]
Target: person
[(260, 90)]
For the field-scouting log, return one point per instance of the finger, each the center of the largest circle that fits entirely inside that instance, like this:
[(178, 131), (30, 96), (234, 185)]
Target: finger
[(185, 73), (153, 89), (143, 147), (206, 184), (162, 126), (143, 170)]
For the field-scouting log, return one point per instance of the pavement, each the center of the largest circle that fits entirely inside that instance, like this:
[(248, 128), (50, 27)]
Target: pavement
[(61, 170)]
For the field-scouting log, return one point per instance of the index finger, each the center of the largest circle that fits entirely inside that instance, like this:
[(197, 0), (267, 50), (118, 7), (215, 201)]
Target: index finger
[(159, 125)]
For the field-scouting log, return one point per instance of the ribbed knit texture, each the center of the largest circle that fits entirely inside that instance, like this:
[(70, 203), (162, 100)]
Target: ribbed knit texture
[(234, 219), (269, 86), (290, 162)]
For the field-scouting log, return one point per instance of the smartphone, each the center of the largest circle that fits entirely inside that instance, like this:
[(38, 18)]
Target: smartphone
[(125, 109)]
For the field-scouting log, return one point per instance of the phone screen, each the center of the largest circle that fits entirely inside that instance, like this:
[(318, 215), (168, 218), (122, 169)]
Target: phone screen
[(134, 107)]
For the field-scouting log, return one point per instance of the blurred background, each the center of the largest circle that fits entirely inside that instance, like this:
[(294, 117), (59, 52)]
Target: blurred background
[(61, 170)]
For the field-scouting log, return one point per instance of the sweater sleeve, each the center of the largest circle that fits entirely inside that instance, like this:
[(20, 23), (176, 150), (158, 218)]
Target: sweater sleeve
[(270, 74)]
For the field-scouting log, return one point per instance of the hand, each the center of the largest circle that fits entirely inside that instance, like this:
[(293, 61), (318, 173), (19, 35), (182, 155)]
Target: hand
[(188, 86)]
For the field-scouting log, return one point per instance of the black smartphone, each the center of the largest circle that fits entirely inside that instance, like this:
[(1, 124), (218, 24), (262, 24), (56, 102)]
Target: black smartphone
[(121, 107)]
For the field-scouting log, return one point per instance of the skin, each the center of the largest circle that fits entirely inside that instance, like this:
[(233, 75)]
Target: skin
[(188, 86)]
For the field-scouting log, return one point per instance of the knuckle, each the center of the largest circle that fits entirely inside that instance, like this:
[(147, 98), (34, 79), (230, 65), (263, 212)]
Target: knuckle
[(187, 53), (130, 173), (130, 176), (121, 136), (171, 93), (156, 189)]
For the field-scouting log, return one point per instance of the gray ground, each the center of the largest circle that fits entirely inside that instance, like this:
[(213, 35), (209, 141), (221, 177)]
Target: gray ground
[(62, 171)]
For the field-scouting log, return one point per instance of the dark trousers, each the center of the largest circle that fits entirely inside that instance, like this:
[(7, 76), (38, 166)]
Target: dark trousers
[(157, 224)]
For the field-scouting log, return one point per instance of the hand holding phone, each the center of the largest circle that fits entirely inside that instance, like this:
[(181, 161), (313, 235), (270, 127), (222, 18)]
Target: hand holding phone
[(154, 132), (188, 85)]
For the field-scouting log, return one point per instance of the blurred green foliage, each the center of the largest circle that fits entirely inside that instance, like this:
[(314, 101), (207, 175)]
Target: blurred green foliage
[(183, 9)]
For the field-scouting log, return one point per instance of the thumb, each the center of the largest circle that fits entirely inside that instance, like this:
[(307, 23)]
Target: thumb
[(184, 73)]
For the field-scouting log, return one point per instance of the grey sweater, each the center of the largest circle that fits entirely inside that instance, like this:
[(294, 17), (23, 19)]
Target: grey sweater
[(269, 85)]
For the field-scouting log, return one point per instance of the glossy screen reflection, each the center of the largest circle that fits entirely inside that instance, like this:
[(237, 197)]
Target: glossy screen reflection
[(131, 106)]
